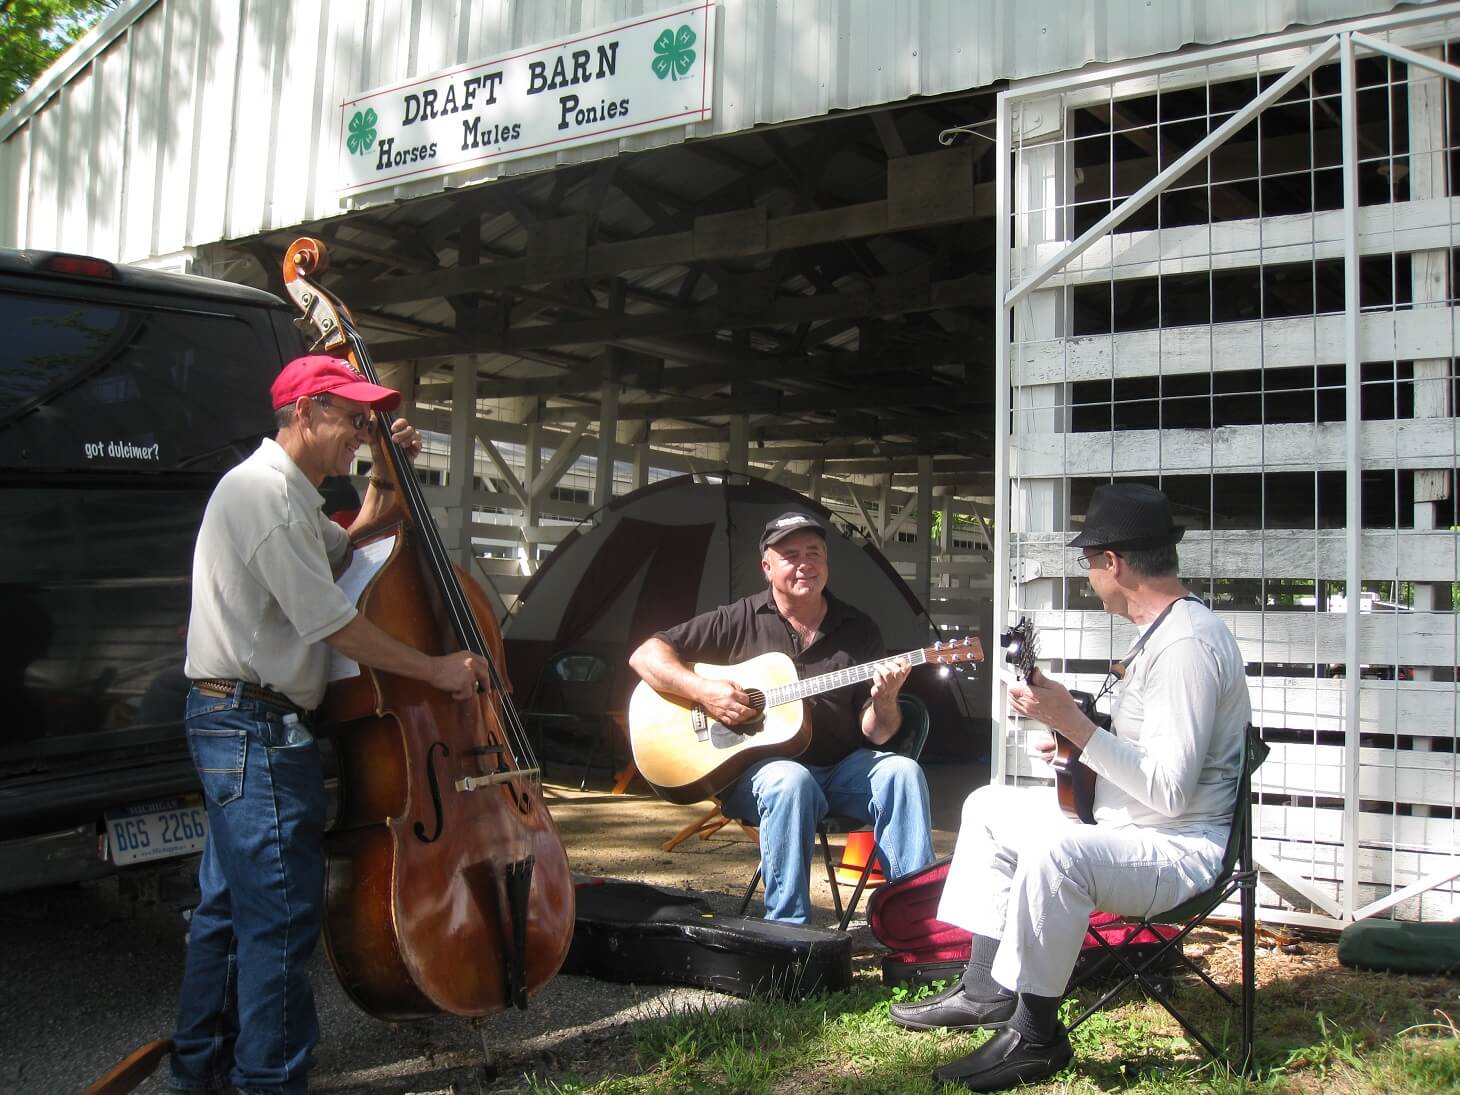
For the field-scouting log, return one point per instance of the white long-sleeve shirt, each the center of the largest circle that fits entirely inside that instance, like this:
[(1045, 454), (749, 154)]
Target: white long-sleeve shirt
[(1179, 718)]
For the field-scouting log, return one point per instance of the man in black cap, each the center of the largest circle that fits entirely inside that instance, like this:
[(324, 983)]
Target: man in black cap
[(841, 771), (1025, 878)]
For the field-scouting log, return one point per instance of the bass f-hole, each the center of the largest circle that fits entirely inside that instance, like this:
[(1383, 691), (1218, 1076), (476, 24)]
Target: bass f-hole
[(419, 829)]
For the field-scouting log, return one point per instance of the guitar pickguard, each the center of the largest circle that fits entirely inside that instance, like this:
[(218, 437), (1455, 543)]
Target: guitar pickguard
[(717, 734)]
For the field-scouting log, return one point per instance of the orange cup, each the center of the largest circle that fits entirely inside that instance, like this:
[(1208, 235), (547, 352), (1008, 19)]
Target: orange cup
[(860, 847)]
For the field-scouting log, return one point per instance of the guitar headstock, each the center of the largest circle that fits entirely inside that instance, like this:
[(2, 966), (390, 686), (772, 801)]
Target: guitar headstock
[(1021, 647), (955, 653)]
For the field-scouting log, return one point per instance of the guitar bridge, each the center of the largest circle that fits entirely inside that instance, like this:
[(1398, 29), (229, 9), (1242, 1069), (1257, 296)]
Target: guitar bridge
[(699, 723)]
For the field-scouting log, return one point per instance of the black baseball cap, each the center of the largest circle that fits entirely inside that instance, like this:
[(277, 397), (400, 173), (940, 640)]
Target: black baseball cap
[(778, 528)]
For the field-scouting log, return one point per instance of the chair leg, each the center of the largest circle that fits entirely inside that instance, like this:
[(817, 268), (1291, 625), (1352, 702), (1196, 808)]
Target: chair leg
[(836, 896), (588, 764), (706, 827), (749, 891), (857, 892), (1249, 967)]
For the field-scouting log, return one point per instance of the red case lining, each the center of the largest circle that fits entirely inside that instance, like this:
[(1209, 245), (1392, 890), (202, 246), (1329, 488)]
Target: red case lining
[(902, 916)]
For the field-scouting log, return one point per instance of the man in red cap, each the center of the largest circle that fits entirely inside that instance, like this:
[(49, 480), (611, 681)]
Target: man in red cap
[(266, 613)]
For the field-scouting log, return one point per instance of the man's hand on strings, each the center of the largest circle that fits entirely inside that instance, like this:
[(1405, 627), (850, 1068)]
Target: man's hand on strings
[(406, 437), (726, 702), (1050, 702), (887, 681)]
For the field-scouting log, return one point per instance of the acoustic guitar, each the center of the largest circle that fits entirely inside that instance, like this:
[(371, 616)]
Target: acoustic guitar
[(1074, 783), (687, 756)]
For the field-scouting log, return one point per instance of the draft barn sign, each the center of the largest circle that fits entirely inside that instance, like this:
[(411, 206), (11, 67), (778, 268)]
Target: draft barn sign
[(642, 74)]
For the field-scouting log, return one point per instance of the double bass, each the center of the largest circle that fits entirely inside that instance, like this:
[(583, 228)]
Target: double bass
[(447, 888)]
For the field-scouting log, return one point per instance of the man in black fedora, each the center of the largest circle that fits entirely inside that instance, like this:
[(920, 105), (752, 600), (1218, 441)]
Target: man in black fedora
[(843, 770), (1025, 878)]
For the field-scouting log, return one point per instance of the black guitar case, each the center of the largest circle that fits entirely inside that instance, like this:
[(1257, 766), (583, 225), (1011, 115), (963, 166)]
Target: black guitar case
[(631, 932)]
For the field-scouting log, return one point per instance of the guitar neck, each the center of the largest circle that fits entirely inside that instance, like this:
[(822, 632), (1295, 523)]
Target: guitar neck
[(841, 678)]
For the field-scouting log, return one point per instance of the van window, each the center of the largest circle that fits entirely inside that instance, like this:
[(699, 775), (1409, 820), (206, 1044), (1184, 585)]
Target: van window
[(102, 386), (116, 419)]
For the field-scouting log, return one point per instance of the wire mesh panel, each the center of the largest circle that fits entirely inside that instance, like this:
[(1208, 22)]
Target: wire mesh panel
[(1232, 275)]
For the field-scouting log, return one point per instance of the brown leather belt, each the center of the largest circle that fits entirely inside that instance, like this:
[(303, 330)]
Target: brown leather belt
[(218, 687)]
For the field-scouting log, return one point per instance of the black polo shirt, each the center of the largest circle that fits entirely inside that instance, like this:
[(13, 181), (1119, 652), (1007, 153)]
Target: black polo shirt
[(753, 625)]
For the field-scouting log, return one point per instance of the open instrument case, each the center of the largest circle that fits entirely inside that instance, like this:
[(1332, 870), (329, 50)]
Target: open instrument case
[(632, 932)]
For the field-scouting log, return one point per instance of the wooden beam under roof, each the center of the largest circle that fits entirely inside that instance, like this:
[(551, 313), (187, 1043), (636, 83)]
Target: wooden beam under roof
[(925, 190), (956, 421), (883, 299), (740, 365), (923, 445), (769, 403)]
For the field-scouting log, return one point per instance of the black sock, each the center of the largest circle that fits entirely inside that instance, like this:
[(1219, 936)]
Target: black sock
[(1036, 1017), (978, 980)]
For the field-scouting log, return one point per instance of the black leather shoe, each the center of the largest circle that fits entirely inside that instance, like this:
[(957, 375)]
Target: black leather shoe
[(954, 1009), (1006, 1060)]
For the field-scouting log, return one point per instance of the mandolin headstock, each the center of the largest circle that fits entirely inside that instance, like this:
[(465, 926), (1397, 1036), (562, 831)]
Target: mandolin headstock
[(1021, 647)]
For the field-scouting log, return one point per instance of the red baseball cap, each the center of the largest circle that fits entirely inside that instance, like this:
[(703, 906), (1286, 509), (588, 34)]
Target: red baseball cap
[(316, 374)]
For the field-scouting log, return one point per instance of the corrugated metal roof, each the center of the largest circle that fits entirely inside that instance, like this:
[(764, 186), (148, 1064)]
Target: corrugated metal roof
[(178, 123)]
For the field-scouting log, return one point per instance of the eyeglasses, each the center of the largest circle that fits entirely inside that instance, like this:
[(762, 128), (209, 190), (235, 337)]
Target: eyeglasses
[(361, 420), (1084, 561)]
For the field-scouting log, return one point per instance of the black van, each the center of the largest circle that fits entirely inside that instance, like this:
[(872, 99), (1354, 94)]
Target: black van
[(124, 395)]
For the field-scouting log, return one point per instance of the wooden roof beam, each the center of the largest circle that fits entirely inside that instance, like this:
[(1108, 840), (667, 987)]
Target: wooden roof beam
[(924, 190)]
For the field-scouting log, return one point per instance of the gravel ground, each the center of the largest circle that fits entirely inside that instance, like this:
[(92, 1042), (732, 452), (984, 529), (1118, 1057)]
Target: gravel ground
[(90, 975)]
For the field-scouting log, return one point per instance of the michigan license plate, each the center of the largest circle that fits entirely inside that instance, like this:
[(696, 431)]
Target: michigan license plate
[(159, 829)]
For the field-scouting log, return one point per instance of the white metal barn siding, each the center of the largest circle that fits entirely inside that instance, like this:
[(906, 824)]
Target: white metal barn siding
[(179, 123), (1219, 286)]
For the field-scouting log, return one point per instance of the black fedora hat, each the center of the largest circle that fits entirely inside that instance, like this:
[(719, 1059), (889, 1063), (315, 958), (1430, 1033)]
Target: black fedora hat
[(778, 528), (1128, 516)]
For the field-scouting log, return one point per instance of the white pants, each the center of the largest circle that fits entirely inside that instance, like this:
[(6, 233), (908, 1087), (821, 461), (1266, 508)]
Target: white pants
[(1028, 876)]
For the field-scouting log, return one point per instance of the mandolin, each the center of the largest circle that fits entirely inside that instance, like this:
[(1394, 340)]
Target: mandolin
[(687, 756), (1074, 782)]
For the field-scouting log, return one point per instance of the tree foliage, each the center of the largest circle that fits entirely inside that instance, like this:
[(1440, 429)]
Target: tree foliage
[(33, 33)]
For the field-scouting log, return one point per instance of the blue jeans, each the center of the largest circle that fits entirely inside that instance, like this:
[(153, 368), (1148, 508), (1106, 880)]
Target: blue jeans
[(786, 799), (246, 1010)]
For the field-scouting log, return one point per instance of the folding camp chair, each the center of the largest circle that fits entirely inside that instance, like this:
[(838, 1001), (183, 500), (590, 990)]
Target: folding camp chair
[(1136, 961), (571, 698), (909, 741)]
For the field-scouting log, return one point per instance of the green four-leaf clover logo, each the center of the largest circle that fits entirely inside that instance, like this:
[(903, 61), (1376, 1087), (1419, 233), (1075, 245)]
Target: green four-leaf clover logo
[(674, 57), (362, 132)]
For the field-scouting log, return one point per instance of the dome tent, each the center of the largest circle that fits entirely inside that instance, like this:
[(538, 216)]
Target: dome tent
[(661, 554)]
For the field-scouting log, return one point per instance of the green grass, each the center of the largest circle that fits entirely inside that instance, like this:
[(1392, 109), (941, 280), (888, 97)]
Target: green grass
[(1326, 1035)]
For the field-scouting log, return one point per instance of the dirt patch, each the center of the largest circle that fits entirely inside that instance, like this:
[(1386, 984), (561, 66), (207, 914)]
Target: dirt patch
[(623, 836)]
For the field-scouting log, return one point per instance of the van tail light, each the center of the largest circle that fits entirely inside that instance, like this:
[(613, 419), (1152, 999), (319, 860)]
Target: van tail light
[(79, 266)]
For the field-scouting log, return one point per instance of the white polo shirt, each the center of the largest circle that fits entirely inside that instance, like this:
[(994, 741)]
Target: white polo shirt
[(263, 593)]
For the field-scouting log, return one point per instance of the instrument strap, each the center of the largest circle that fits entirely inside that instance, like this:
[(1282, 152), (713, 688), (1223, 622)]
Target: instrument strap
[(1118, 669)]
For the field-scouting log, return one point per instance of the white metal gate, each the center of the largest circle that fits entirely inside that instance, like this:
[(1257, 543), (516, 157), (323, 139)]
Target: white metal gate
[(1231, 273)]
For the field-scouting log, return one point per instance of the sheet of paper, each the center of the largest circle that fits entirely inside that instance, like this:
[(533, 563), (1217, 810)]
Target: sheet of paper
[(364, 565)]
